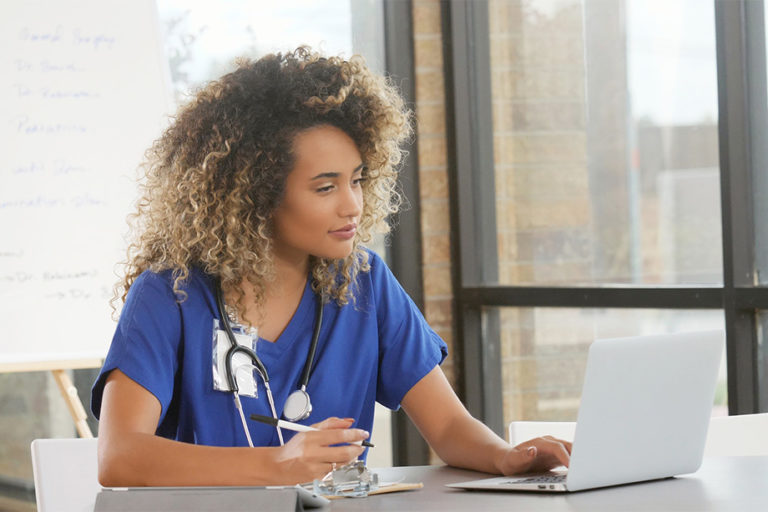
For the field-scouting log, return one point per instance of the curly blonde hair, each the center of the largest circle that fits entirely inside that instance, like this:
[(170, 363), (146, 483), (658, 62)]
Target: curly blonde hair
[(214, 178)]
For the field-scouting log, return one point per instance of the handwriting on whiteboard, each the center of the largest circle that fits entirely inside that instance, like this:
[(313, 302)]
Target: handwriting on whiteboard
[(83, 93)]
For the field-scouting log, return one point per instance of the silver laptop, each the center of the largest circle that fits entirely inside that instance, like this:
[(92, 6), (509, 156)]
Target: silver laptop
[(644, 413)]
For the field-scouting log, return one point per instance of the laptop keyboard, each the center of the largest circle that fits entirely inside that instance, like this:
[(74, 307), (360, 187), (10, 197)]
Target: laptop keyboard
[(544, 479)]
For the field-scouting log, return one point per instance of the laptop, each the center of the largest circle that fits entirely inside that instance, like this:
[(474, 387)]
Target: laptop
[(644, 413)]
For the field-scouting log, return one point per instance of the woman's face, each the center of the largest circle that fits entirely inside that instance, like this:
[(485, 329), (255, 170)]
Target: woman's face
[(323, 197)]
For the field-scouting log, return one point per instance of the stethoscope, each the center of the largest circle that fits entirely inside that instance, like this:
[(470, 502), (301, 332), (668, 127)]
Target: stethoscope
[(298, 405)]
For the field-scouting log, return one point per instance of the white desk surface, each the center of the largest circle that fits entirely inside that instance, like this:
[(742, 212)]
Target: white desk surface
[(722, 484)]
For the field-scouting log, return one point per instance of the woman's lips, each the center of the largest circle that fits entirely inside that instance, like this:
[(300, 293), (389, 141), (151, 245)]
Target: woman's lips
[(346, 232)]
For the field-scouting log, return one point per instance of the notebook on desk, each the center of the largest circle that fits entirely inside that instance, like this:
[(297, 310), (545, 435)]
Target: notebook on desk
[(645, 409)]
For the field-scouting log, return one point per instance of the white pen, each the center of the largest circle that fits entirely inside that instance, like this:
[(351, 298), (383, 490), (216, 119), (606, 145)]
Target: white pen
[(296, 427)]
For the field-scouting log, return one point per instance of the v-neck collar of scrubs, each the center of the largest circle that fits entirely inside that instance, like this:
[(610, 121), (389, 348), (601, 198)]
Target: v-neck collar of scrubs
[(275, 351)]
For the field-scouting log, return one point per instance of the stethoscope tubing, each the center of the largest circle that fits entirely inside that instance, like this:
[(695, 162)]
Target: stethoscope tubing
[(305, 374), (236, 348)]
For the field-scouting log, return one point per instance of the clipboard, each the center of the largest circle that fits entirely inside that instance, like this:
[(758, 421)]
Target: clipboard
[(387, 488)]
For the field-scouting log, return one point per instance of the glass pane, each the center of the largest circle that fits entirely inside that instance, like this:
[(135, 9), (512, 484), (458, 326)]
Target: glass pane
[(605, 140), (202, 39), (544, 353)]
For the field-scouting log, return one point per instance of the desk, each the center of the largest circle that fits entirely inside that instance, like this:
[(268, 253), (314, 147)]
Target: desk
[(722, 483)]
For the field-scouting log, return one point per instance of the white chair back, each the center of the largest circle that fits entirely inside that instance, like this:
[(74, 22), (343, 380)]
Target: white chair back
[(75, 458), (745, 434)]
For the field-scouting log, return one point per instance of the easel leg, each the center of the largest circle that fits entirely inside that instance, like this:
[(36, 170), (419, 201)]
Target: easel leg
[(76, 409)]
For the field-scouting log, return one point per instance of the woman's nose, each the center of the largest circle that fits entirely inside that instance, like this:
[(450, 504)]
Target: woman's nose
[(351, 202)]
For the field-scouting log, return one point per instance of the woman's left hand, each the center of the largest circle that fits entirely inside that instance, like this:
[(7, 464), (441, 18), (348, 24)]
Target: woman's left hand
[(537, 455)]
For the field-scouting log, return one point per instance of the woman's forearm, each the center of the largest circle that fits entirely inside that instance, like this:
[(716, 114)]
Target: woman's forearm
[(457, 438), (468, 443)]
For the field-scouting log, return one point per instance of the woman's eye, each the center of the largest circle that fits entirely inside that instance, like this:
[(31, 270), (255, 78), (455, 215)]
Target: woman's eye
[(359, 180), (326, 188)]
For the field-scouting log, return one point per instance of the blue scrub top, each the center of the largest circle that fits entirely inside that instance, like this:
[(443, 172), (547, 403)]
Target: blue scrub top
[(372, 349)]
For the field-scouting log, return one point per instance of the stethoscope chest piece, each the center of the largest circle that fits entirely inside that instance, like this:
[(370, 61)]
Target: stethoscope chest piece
[(297, 406)]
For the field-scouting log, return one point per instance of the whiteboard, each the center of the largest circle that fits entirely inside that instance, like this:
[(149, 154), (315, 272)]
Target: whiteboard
[(84, 91)]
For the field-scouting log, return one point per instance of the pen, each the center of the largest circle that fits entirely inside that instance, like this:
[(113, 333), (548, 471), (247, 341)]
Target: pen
[(296, 427)]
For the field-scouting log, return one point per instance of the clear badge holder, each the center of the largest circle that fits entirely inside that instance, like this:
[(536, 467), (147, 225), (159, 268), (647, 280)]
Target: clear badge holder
[(351, 480), (241, 364)]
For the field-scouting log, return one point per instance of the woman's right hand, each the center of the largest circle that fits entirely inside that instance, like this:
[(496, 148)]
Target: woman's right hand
[(311, 455)]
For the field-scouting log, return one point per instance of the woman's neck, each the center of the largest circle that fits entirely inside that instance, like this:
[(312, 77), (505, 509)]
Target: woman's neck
[(291, 272), (282, 296)]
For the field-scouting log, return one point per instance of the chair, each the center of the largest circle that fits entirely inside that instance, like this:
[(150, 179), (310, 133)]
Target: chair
[(52, 458), (745, 434)]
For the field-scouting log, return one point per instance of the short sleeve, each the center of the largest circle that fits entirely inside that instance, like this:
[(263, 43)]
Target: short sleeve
[(408, 347), (146, 342)]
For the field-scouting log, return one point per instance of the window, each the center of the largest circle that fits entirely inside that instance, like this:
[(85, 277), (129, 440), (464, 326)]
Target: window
[(593, 196)]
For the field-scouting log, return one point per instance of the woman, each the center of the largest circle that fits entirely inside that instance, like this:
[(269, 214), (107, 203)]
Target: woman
[(265, 187)]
